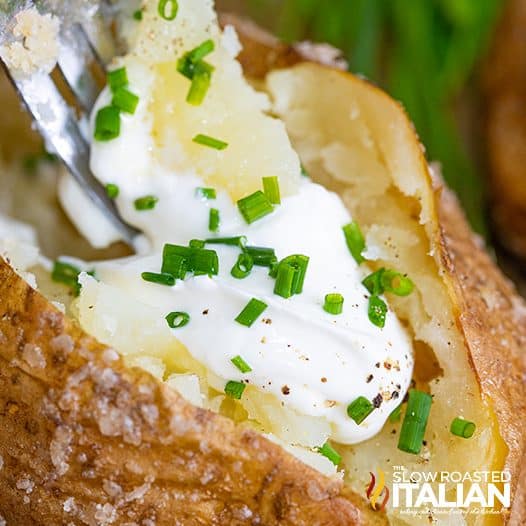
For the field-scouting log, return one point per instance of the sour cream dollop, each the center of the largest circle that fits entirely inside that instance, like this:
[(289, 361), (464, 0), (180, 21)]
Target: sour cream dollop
[(311, 361)]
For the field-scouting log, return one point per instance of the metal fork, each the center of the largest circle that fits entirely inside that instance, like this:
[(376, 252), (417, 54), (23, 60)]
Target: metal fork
[(57, 121)]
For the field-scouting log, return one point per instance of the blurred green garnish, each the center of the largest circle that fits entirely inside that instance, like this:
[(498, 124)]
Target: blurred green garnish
[(423, 52)]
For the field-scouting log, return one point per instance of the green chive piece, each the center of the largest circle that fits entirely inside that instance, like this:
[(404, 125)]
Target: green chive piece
[(255, 206), (201, 80), (234, 389), (206, 193), (241, 364), (462, 428), (271, 189), (396, 283), (214, 220), (206, 140), (118, 78), (147, 202), (415, 422), (177, 260), (107, 124), (243, 266), (237, 241), (201, 51), (284, 285), (204, 262), (304, 172), (125, 100), (176, 320), (160, 279), (328, 451), (360, 409), (355, 241), (333, 303), (112, 190), (262, 256), (196, 243), (377, 311), (290, 275), (386, 280), (167, 9), (137, 15), (373, 282), (66, 274), (251, 312), (396, 414)]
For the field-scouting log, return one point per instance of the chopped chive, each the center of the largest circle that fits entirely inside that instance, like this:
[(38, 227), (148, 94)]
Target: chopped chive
[(290, 275), (329, 452), (284, 280), (386, 280), (360, 409), (189, 69), (271, 189), (200, 84), (214, 220), (255, 206), (206, 140), (66, 274), (304, 172), (262, 256), (125, 100), (373, 282), (147, 202), (160, 279), (177, 260), (167, 9), (355, 241), (462, 428), (243, 266), (137, 15), (234, 389), (118, 78), (377, 311), (333, 303), (415, 422), (201, 51), (112, 190), (107, 124), (237, 241), (396, 414), (196, 243), (251, 312), (176, 320), (241, 364), (206, 193), (396, 283), (204, 262)]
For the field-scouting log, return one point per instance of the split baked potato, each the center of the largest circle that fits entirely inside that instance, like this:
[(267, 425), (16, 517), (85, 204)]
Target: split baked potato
[(89, 439)]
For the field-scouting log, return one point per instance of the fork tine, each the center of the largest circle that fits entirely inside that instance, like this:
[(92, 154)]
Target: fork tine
[(60, 130), (76, 61)]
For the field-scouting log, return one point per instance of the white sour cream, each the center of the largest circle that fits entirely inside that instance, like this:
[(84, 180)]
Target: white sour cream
[(312, 362)]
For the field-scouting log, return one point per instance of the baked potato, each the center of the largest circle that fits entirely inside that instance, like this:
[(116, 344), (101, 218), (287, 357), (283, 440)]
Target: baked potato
[(504, 90), (90, 437)]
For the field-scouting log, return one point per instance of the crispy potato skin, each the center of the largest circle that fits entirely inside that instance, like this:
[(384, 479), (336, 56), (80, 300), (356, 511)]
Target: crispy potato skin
[(83, 421), (493, 319), (77, 424), (505, 98)]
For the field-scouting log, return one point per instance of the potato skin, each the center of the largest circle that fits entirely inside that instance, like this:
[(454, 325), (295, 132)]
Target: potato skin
[(198, 467), (504, 84)]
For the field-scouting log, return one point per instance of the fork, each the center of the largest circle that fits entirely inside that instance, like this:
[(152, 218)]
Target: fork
[(57, 122)]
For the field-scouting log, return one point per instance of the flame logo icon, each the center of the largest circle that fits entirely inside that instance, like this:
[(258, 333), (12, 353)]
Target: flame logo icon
[(375, 490)]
